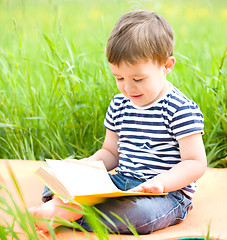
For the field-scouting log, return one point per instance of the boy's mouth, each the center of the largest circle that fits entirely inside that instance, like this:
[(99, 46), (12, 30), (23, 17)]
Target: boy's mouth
[(136, 96)]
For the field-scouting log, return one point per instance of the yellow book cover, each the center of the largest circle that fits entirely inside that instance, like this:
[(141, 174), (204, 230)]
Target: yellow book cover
[(84, 182)]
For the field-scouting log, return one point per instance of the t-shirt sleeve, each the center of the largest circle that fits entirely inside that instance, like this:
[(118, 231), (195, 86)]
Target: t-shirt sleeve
[(109, 119), (187, 120)]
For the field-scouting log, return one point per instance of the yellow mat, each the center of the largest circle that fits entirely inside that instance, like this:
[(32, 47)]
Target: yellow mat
[(210, 204)]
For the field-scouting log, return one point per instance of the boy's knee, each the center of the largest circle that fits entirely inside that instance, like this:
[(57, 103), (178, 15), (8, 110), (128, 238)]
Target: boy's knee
[(144, 214), (47, 194), (128, 214)]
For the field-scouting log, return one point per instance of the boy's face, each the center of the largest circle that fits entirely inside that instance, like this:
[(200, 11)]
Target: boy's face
[(144, 82)]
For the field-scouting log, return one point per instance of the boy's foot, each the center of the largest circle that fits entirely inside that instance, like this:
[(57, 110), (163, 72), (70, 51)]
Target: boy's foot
[(50, 210)]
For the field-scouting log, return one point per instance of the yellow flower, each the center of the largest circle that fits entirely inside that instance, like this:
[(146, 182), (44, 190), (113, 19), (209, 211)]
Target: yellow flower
[(95, 14), (194, 14), (223, 14)]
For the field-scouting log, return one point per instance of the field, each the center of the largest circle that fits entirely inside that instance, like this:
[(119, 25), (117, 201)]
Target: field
[(56, 85)]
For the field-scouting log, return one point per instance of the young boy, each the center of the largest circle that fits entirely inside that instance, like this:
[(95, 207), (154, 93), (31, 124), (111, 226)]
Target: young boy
[(153, 132)]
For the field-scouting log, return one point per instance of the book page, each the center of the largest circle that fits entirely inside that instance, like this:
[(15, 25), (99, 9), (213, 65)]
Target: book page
[(83, 178), (49, 178)]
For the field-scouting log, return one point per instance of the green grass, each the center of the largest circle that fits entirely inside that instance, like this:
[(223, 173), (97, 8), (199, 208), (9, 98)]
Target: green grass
[(56, 85)]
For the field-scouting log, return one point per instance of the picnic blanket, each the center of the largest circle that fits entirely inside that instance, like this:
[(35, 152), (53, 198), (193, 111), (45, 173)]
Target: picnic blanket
[(210, 208)]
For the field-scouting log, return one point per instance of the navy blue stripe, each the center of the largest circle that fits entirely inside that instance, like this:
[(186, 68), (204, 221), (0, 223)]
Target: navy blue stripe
[(152, 158), (143, 130), (110, 123), (188, 189), (170, 149), (143, 115), (151, 166), (113, 130), (178, 99), (189, 131), (183, 124), (109, 115), (154, 139), (186, 115), (143, 123), (144, 150), (110, 109)]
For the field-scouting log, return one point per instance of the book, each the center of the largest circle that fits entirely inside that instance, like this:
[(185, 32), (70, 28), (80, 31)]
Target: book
[(86, 183)]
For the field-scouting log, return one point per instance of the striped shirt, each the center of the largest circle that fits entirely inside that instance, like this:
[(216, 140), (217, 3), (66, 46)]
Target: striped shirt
[(148, 135)]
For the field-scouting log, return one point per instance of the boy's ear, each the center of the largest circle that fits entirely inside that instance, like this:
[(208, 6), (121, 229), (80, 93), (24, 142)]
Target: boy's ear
[(168, 67)]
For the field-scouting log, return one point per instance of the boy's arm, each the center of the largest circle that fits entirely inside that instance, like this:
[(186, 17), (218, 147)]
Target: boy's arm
[(109, 151), (192, 166)]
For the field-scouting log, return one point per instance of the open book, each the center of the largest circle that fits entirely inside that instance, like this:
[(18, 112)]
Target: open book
[(84, 182)]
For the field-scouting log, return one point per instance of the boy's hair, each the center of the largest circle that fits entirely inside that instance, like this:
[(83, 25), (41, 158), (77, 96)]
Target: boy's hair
[(140, 35)]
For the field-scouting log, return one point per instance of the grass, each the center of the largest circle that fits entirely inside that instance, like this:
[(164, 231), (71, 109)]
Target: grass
[(56, 85)]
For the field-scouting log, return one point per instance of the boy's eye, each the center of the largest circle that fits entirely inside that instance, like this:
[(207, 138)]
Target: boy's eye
[(120, 79), (137, 80)]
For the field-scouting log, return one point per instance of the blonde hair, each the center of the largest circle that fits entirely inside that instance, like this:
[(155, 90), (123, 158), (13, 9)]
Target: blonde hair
[(140, 35)]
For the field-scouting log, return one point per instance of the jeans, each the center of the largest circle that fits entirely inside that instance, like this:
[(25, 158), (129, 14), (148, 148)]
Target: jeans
[(145, 213)]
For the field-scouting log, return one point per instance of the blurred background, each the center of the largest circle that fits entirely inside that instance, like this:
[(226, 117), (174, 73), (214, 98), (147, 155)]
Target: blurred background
[(56, 85)]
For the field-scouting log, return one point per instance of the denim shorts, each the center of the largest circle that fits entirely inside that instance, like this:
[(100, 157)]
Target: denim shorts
[(145, 213)]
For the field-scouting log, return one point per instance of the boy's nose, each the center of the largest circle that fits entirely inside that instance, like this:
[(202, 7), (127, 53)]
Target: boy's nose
[(129, 87)]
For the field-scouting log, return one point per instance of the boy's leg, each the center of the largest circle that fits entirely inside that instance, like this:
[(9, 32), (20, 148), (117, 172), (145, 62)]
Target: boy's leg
[(146, 214)]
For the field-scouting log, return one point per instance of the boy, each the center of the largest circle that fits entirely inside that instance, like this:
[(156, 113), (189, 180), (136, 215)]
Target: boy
[(153, 132)]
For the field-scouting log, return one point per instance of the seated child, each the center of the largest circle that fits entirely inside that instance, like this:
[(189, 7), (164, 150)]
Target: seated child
[(153, 132)]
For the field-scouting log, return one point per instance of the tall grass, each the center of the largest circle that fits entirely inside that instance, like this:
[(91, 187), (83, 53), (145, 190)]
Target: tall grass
[(56, 84)]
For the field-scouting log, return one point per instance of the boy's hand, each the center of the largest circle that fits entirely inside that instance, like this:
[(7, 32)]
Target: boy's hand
[(150, 186)]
